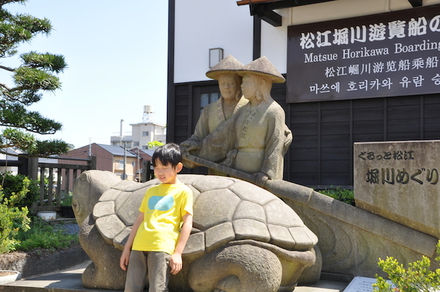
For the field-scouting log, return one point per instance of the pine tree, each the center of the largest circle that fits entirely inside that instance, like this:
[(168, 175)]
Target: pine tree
[(36, 74)]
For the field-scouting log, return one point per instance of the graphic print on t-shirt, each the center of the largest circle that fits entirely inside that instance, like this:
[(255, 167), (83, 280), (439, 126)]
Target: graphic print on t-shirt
[(161, 203)]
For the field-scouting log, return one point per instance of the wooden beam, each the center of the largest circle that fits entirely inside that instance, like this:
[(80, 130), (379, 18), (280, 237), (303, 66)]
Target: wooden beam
[(416, 3), (267, 15), (272, 18)]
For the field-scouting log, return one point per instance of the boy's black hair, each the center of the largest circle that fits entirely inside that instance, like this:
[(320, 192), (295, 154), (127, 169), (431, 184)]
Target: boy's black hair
[(168, 153)]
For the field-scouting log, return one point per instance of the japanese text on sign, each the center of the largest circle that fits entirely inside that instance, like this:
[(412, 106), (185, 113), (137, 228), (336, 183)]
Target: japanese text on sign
[(383, 55)]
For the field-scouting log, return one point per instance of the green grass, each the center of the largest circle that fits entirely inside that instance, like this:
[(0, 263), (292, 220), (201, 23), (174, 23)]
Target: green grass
[(343, 195), (45, 236)]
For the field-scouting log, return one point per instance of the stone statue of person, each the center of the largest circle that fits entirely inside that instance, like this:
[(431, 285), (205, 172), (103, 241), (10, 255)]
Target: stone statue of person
[(217, 112), (256, 138)]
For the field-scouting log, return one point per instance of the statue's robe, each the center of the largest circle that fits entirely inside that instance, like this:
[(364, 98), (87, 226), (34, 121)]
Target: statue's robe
[(253, 140), (211, 117)]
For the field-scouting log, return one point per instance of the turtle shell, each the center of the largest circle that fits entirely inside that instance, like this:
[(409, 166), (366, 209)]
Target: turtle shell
[(225, 209)]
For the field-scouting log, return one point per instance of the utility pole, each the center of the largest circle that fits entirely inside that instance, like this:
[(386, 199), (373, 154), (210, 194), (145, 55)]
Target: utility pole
[(124, 174)]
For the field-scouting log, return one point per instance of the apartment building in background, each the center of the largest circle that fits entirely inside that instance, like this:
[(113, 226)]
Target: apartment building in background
[(141, 133)]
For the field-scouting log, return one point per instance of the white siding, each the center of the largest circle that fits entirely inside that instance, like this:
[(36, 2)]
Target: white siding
[(274, 41), (204, 24)]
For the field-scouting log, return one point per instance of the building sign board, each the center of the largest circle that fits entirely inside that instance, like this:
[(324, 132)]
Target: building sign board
[(388, 54)]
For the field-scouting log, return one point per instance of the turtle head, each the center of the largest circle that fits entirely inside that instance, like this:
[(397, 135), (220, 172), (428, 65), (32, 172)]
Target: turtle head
[(87, 190)]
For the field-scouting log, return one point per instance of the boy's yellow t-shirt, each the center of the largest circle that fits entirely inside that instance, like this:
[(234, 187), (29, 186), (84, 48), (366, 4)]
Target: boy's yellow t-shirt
[(163, 206)]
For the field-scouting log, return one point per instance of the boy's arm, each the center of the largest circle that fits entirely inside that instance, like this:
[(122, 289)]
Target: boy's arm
[(125, 256), (176, 258)]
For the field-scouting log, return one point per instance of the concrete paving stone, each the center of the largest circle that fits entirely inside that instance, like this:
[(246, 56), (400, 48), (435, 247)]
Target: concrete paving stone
[(70, 281)]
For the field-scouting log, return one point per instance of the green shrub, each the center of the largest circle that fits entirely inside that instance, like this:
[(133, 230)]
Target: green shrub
[(417, 277), (340, 194), (43, 235), (67, 199), (13, 184), (12, 218), (17, 232)]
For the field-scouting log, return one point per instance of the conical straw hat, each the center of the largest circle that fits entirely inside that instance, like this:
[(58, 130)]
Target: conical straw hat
[(262, 66), (227, 65)]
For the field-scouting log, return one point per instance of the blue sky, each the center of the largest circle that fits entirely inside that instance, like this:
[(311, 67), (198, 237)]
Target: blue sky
[(116, 53)]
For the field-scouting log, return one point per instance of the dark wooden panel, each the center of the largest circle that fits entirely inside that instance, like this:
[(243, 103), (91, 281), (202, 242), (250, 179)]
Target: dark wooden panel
[(368, 114), (307, 154), (338, 166), (336, 115), (403, 112), (335, 105), (368, 103), (432, 110), (307, 179), (335, 128), (335, 141), (404, 126), (303, 117), (305, 166), (336, 179), (304, 142), (304, 130), (431, 99), (368, 127), (182, 111), (336, 153), (403, 101), (368, 137), (403, 136), (434, 135), (305, 107), (181, 90)]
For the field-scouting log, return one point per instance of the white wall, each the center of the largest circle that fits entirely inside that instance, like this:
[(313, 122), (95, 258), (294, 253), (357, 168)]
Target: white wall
[(204, 24), (274, 41)]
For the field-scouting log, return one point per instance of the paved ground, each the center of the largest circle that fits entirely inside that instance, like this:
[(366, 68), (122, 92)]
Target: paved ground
[(70, 281)]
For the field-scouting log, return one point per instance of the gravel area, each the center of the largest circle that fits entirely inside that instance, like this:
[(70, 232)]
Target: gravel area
[(69, 226)]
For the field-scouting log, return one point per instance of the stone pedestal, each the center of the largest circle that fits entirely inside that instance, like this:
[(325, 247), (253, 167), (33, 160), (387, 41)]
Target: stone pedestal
[(400, 181)]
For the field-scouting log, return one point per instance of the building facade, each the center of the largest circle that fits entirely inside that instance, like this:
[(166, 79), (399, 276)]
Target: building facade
[(111, 158), (305, 39), (141, 133)]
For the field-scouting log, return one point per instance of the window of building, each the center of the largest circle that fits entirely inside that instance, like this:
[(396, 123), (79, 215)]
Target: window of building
[(145, 147), (145, 133), (121, 164), (207, 98), (135, 143)]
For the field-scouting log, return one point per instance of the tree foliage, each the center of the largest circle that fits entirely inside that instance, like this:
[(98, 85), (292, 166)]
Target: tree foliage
[(153, 144), (36, 74)]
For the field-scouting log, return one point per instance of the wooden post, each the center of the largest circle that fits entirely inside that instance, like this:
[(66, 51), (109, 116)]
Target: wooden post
[(33, 168)]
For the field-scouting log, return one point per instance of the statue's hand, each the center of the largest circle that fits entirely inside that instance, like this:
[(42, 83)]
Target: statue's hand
[(261, 179), (188, 146)]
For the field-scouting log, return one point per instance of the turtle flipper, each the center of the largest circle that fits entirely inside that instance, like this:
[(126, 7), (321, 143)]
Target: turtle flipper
[(105, 260), (236, 268)]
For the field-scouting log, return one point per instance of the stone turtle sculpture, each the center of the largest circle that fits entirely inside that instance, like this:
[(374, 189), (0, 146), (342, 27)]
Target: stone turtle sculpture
[(244, 238)]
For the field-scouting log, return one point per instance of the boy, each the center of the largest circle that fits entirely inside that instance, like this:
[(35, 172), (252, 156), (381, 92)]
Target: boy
[(160, 232)]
